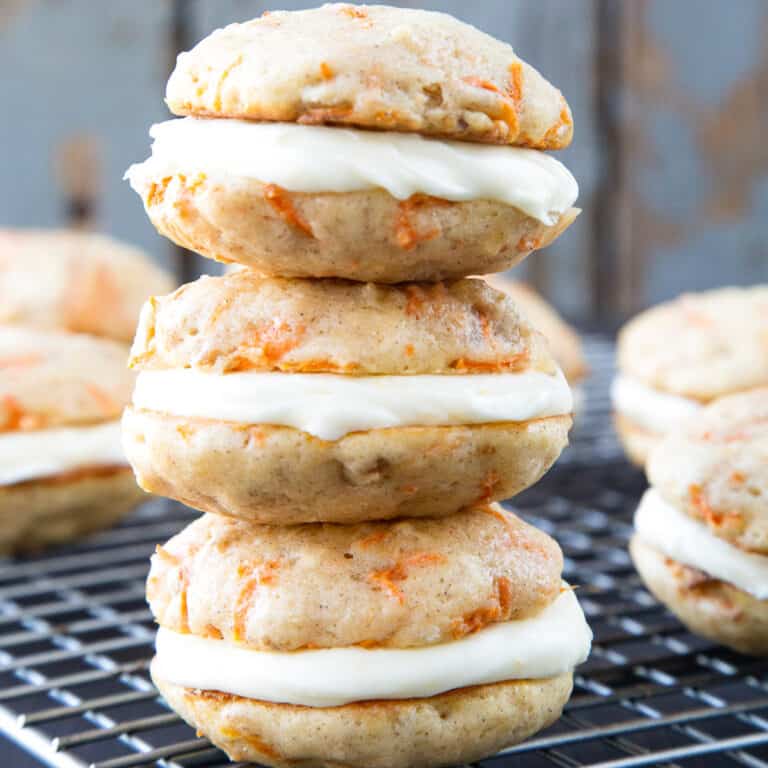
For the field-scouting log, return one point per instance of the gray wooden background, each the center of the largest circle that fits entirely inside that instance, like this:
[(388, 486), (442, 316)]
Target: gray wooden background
[(670, 99)]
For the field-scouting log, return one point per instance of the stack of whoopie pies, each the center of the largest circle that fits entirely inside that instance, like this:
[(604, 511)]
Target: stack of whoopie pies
[(354, 595)]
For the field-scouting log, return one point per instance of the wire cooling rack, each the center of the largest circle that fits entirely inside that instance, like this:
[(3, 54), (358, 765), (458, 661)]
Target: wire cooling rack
[(76, 637)]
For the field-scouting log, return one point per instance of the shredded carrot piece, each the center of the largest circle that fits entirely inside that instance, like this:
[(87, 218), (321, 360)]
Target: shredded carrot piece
[(281, 202), (164, 555), (472, 622), (222, 78), (277, 339), (17, 417), (409, 350), (214, 632), (264, 574), (389, 577), (490, 482), (737, 478), (505, 594), (527, 243), (319, 365), (551, 139), (105, 402), (514, 363), (701, 505), (499, 515), (325, 71), (373, 538), (183, 606), (242, 607), (256, 742), (354, 13), (515, 89), (478, 82), (414, 305), (485, 325), (156, 192), (406, 235)]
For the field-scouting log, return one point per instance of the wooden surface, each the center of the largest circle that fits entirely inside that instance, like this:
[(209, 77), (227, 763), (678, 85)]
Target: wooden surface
[(669, 99)]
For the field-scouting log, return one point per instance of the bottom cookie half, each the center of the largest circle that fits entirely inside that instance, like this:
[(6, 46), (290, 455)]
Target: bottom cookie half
[(709, 607), (48, 511), (459, 726)]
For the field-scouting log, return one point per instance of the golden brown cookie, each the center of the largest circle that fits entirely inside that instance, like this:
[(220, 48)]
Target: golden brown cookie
[(54, 378), (75, 281), (53, 510), (243, 322), (363, 234), (373, 584), (452, 728), (372, 67)]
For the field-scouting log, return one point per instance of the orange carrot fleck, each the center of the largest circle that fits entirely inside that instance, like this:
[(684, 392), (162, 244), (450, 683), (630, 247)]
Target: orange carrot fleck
[(325, 71), (406, 235), (515, 88), (354, 13), (104, 400), (505, 594), (516, 362), (388, 578), (242, 607), (164, 555), (17, 417), (701, 505), (371, 539), (527, 243), (281, 202)]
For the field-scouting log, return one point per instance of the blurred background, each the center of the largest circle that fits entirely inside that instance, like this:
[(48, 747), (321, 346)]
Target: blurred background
[(670, 102)]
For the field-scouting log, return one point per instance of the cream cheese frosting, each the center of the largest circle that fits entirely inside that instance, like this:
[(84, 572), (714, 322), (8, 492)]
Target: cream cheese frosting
[(649, 408), (685, 540), (50, 452), (330, 406), (546, 645), (311, 158)]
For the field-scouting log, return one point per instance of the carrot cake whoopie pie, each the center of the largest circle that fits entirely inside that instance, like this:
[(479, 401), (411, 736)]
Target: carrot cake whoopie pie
[(701, 541), (286, 401), (62, 468), (92, 283), (370, 143), (392, 644), (678, 356)]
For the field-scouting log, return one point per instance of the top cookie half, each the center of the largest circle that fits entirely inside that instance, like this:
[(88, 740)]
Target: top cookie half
[(371, 67)]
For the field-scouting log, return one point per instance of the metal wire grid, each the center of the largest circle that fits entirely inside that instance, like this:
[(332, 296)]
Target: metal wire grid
[(76, 636)]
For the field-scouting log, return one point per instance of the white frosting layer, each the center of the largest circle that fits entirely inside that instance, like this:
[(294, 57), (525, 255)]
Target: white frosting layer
[(681, 538), (330, 406), (309, 158), (49, 452), (549, 644), (649, 408)]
